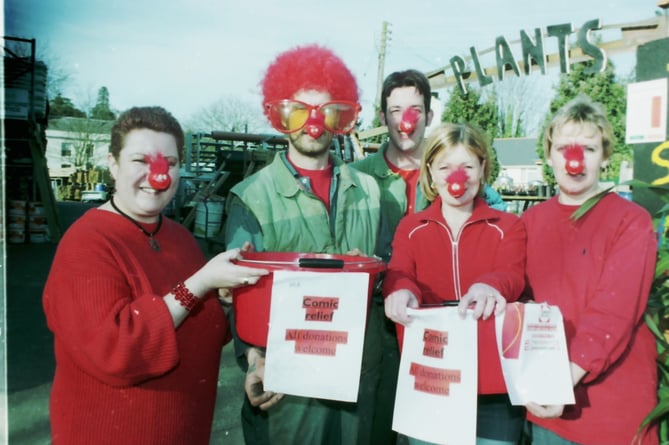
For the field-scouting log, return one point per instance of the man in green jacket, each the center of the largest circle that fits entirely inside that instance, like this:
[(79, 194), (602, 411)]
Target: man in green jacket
[(405, 96), (307, 200), (405, 110)]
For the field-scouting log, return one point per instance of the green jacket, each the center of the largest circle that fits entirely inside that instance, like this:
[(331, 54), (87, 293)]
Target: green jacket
[(275, 210), (393, 196)]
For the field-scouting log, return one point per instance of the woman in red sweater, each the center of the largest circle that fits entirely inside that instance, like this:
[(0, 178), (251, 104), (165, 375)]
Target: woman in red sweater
[(598, 269), (138, 336), (460, 249)]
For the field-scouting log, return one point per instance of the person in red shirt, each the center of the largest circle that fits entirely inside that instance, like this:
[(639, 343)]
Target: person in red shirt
[(598, 270), (460, 249), (131, 300)]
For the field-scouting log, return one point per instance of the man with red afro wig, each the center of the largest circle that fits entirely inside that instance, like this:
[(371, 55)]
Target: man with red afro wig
[(306, 200), (310, 67)]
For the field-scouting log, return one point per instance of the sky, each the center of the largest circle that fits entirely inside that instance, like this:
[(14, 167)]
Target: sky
[(186, 54)]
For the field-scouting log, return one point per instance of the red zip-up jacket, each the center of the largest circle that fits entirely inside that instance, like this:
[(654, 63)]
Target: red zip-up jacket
[(438, 265)]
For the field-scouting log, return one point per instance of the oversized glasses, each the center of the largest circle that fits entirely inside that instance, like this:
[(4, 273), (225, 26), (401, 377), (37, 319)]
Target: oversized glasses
[(289, 116)]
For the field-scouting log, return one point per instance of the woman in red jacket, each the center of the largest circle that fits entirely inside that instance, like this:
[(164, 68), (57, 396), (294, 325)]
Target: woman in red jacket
[(460, 249)]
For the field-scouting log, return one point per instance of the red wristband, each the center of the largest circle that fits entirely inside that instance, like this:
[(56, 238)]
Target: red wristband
[(185, 297)]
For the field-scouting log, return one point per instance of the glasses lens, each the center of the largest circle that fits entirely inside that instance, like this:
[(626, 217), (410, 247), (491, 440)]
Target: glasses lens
[(287, 116), (340, 117), (297, 118)]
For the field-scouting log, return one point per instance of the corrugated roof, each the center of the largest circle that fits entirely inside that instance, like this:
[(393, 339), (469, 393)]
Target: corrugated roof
[(80, 124)]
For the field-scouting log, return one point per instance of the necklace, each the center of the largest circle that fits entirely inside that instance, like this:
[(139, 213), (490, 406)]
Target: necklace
[(152, 242)]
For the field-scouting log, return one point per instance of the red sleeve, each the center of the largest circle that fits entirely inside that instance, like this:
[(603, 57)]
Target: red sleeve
[(91, 300), (401, 272), (620, 297), (508, 272)]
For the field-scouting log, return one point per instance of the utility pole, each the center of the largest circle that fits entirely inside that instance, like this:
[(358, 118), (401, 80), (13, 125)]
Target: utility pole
[(385, 35)]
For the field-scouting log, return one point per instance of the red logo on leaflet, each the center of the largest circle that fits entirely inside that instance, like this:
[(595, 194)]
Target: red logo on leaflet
[(316, 342), (545, 315), (512, 330), (435, 381), (320, 308), (434, 342)]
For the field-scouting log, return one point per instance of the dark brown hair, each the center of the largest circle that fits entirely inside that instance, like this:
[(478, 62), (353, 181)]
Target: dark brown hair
[(152, 118), (407, 78)]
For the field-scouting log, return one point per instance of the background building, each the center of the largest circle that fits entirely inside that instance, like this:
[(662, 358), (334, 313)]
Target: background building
[(519, 162)]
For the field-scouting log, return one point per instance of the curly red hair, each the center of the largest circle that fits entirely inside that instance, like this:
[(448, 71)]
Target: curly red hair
[(311, 67)]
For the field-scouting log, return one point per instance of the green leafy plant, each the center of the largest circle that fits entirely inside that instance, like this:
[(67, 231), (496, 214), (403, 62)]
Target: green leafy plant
[(657, 318)]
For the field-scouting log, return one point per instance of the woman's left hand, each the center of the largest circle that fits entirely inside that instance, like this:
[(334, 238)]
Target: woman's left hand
[(483, 299), (545, 411)]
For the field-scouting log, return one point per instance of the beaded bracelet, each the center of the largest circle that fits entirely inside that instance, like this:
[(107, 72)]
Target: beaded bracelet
[(185, 297)]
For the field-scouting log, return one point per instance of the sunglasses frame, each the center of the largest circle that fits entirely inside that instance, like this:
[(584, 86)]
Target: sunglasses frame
[(310, 108)]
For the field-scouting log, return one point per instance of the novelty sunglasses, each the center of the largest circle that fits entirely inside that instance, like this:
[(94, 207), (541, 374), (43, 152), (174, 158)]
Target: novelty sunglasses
[(289, 116)]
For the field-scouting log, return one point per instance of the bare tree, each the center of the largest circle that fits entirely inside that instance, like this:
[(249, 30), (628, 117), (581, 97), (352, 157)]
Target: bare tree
[(522, 103), (57, 74), (229, 113), (87, 137)]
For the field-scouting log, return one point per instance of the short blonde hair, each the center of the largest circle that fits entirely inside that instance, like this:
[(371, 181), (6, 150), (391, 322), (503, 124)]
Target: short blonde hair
[(581, 110), (446, 136)]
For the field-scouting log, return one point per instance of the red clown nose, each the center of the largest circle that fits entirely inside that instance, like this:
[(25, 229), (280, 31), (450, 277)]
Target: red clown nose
[(159, 167), (573, 155), (314, 131), (315, 125), (457, 183), (409, 119)]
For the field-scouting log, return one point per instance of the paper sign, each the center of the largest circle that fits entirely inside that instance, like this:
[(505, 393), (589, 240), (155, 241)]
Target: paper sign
[(436, 389), (533, 353), (316, 334), (646, 111)]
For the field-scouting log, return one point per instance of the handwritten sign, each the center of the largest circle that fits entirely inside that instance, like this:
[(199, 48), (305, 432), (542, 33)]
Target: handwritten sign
[(660, 157)]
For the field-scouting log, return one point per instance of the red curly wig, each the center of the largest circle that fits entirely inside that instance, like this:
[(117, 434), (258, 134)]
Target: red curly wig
[(310, 67)]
